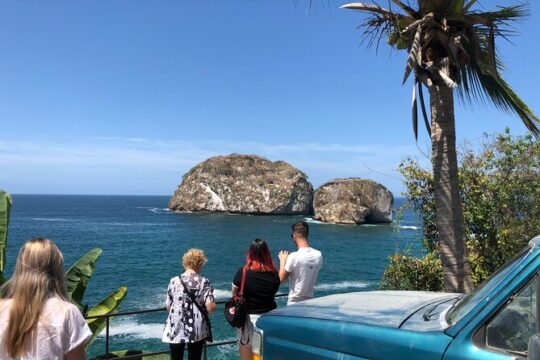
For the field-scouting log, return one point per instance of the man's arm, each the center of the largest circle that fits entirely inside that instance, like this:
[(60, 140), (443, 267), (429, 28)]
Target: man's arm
[(283, 274)]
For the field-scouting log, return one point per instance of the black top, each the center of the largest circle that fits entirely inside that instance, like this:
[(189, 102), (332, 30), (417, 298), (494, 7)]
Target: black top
[(259, 290)]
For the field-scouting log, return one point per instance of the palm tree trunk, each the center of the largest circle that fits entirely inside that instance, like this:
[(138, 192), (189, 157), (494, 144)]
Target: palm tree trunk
[(452, 245)]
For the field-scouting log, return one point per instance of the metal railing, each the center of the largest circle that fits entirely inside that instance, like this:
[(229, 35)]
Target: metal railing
[(108, 317)]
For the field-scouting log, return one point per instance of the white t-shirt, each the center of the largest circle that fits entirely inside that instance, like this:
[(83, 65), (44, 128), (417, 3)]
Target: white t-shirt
[(61, 328), (303, 267)]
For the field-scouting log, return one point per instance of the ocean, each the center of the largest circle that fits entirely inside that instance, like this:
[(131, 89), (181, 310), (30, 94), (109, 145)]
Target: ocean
[(143, 243)]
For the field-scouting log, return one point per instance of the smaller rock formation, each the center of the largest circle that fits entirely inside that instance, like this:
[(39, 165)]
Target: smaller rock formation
[(244, 184), (353, 201)]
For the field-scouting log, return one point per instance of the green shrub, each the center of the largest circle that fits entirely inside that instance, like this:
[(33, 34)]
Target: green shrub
[(409, 273), (500, 193)]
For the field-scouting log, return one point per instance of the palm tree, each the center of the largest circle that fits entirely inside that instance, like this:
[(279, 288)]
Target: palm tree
[(451, 50)]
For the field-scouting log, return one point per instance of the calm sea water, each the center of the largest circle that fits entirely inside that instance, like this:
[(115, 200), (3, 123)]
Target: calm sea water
[(142, 245)]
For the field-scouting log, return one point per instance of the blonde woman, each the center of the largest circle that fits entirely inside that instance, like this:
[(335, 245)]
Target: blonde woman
[(36, 319), (190, 299)]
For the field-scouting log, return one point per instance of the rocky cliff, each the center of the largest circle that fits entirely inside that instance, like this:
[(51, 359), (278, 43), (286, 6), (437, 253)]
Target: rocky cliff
[(246, 184), (353, 201)]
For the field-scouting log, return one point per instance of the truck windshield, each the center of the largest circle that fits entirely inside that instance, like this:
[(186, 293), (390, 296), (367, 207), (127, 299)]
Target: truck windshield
[(482, 292)]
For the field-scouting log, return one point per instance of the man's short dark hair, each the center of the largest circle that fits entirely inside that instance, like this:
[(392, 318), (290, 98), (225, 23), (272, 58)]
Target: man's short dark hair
[(301, 229)]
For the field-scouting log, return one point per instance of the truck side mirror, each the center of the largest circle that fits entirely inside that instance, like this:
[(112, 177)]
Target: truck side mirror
[(533, 349)]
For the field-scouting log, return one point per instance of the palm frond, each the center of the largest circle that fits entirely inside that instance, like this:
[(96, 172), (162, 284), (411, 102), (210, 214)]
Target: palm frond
[(414, 113), (503, 15), (415, 53), (482, 86), (491, 57), (371, 9), (423, 108), (456, 7), (380, 23), (409, 10), (432, 6), (468, 6)]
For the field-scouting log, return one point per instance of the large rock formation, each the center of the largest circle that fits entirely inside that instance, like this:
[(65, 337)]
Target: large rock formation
[(353, 201), (246, 184)]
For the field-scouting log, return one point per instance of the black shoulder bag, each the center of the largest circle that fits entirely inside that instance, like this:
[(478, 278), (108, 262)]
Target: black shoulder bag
[(203, 310), (236, 309)]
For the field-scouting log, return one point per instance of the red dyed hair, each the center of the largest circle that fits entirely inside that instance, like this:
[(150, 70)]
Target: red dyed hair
[(259, 257)]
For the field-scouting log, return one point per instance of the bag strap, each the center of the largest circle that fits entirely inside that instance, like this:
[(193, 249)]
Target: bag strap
[(243, 281), (204, 312), (193, 300)]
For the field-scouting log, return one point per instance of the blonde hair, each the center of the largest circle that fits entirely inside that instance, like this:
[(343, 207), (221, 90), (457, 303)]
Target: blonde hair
[(39, 275), (194, 259)]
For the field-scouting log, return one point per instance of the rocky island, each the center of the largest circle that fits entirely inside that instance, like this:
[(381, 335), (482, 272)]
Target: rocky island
[(353, 201), (244, 184)]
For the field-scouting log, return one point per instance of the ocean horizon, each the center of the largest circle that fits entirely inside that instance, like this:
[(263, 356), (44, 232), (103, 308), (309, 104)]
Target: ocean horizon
[(142, 243)]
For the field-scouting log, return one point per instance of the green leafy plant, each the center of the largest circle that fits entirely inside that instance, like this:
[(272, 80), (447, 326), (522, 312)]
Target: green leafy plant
[(5, 208), (77, 276), (105, 307), (406, 272), (499, 192)]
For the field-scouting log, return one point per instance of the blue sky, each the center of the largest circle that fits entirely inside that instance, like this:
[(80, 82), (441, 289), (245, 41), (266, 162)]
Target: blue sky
[(125, 96)]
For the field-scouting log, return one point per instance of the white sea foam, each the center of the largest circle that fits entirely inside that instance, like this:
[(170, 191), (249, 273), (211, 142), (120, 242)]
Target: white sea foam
[(135, 224), (133, 329), (154, 209), (53, 219), (220, 294), (224, 351), (142, 331), (313, 221), (409, 227), (119, 224), (342, 285)]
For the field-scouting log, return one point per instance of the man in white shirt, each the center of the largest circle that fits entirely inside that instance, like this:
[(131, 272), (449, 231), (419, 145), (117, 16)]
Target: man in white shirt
[(301, 267)]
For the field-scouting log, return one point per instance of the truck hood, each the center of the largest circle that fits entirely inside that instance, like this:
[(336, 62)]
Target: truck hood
[(382, 308)]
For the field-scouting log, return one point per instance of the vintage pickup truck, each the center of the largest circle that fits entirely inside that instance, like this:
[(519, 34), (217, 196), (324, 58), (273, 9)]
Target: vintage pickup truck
[(497, 321)]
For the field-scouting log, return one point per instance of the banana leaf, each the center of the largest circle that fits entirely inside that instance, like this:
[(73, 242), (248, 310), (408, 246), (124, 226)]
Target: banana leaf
[(105, 307), (79, 274), (5, 207)]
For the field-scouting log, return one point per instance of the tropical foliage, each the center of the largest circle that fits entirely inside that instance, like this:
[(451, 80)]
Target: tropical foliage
[(105, 307), (500, 193), (450, 46), (5, 207), (77, 276)]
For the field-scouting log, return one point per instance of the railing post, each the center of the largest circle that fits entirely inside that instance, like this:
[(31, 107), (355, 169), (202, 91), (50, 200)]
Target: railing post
[(107, 337)]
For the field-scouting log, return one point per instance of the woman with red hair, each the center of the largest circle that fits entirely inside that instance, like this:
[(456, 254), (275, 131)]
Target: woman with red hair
[(260, 287)]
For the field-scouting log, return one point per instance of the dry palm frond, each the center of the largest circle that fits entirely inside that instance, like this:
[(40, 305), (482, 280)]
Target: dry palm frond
[(414, 113), (423, 107), (415, 54)]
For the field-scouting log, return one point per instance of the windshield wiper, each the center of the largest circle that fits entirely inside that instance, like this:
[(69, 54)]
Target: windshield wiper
[(428, 313)]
